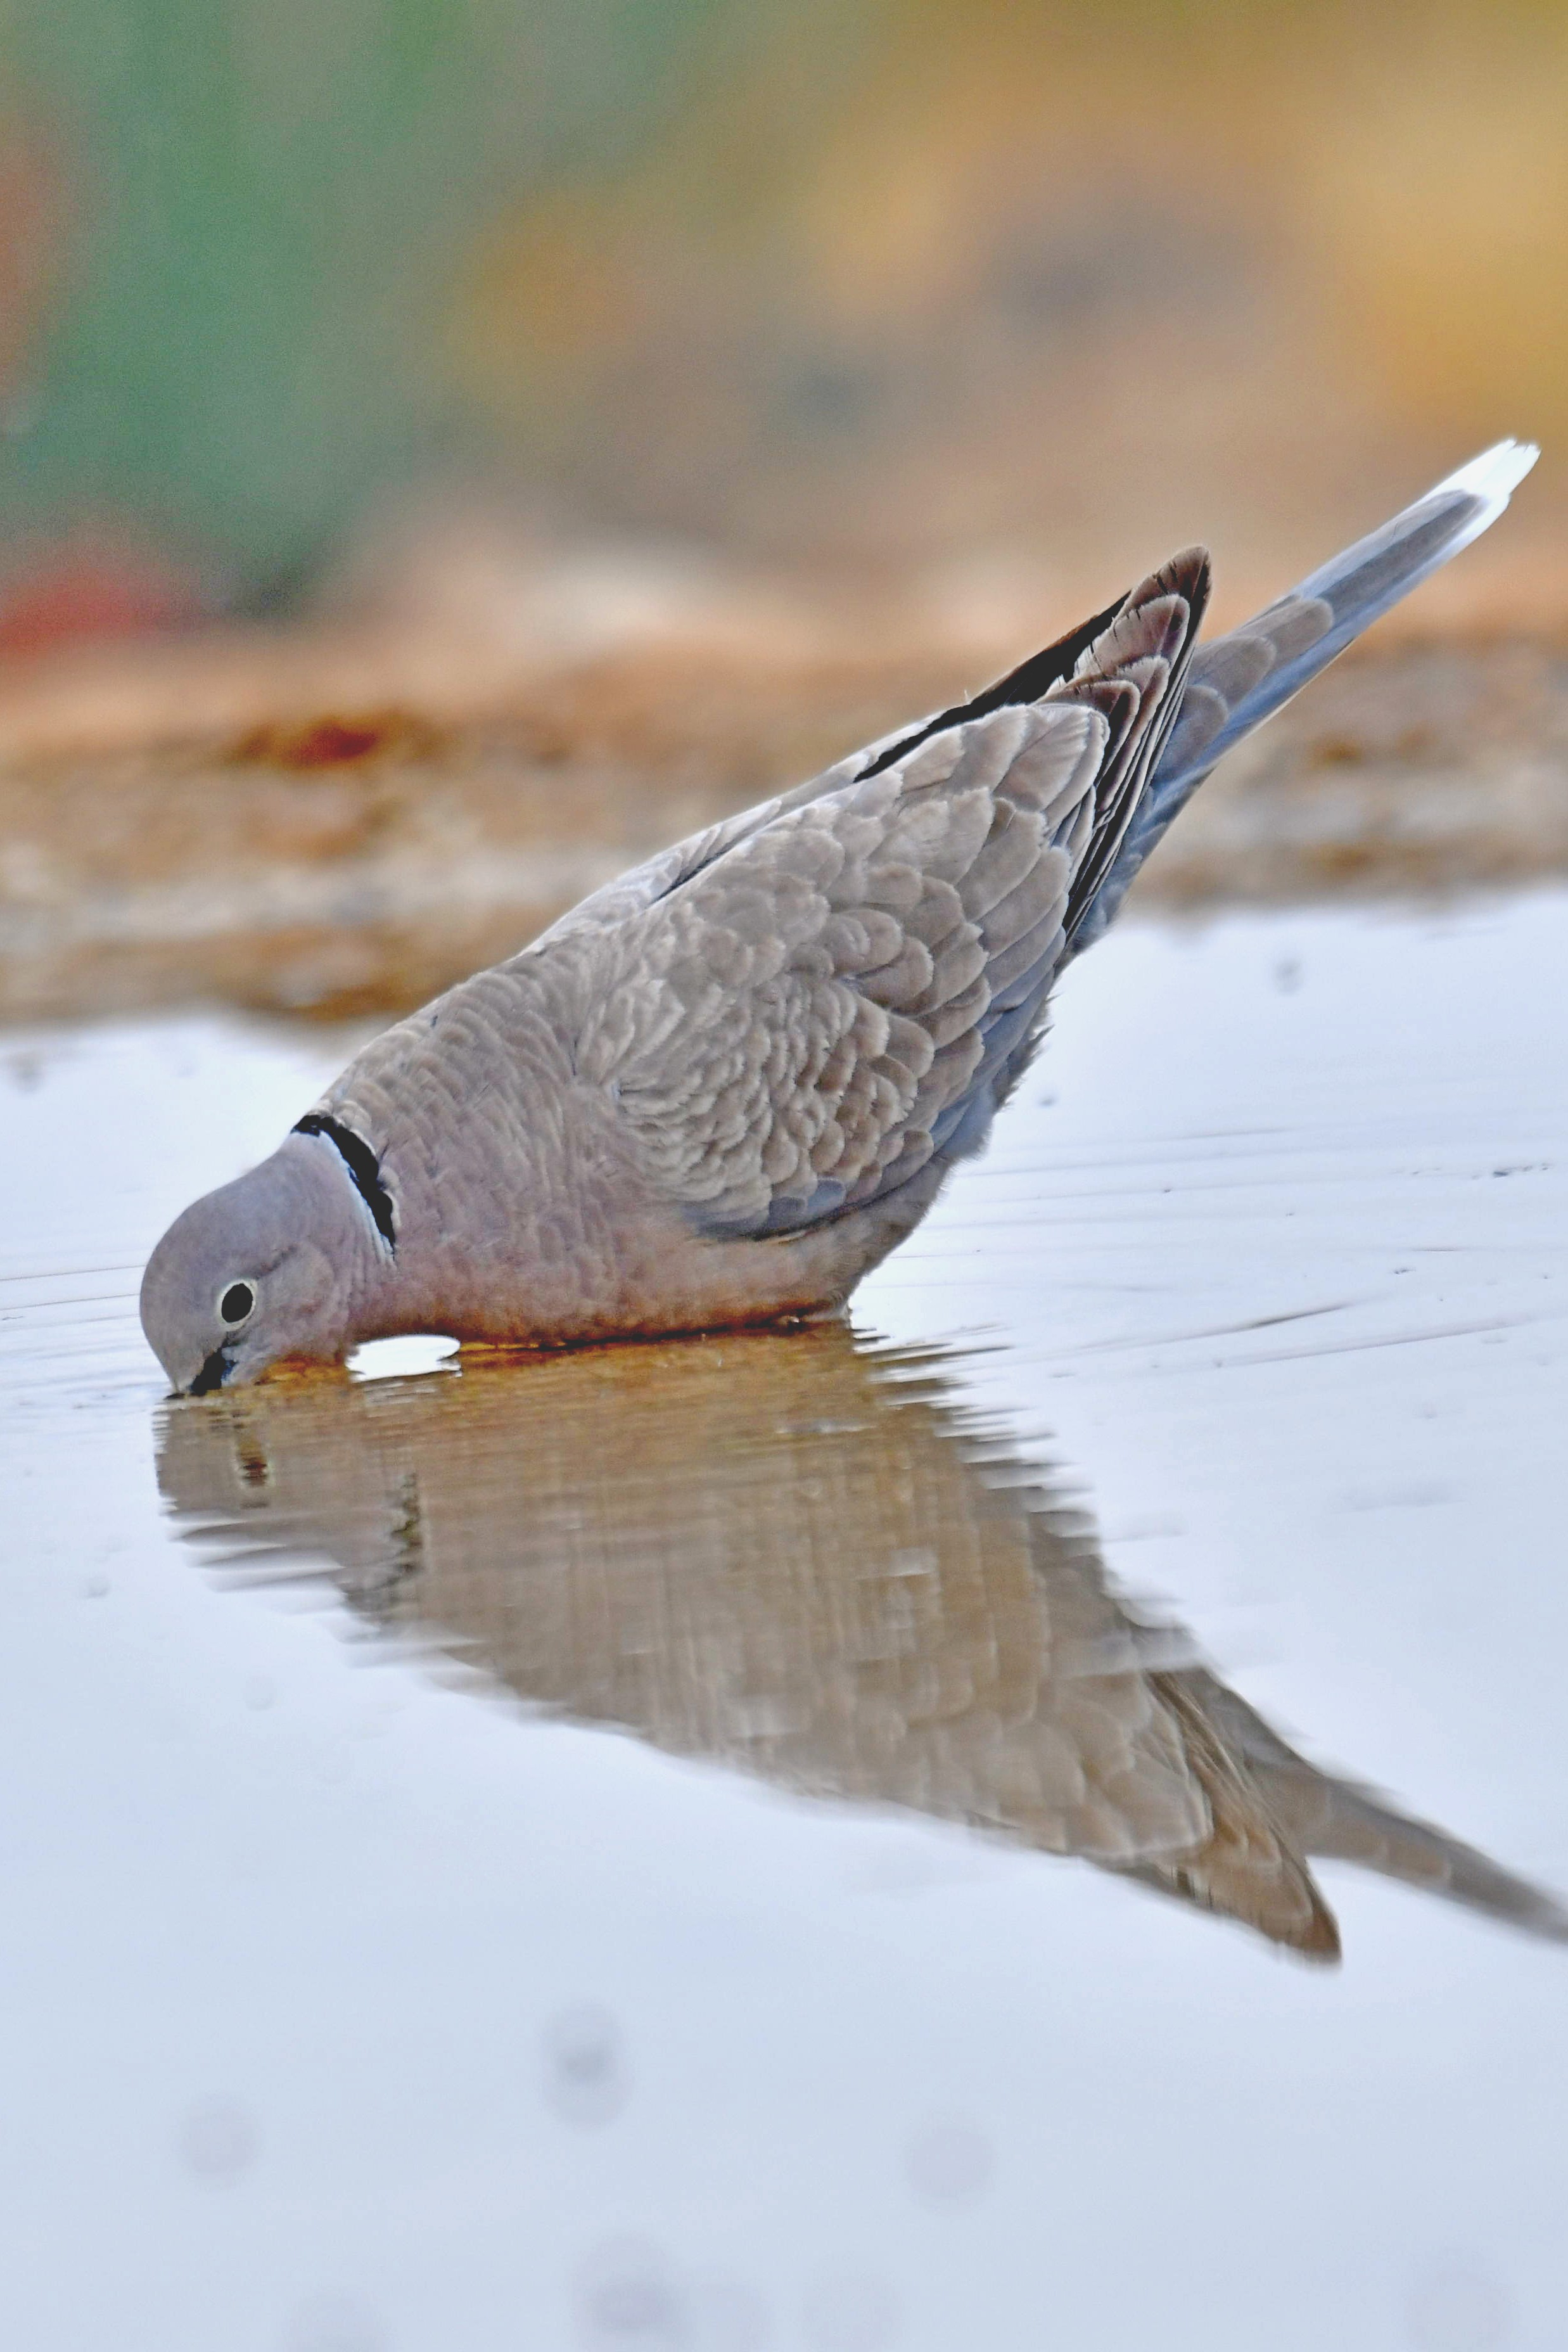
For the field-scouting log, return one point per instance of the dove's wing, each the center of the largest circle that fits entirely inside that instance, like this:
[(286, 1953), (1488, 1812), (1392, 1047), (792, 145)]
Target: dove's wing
[(851, 983), (1242, 678)]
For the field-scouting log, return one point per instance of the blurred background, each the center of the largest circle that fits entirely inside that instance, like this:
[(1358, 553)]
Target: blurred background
[(449, 449), (374, 365)]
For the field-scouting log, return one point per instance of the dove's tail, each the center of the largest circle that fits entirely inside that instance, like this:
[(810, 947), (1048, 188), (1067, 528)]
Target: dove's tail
[(1326, 1819), (1239, 680), (1338, 1821)]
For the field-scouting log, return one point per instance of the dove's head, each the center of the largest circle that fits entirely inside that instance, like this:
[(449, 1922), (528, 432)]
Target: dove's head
[(281, 1263)]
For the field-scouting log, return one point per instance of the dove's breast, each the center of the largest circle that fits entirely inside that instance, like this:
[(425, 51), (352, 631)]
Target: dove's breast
[(522, 1205)]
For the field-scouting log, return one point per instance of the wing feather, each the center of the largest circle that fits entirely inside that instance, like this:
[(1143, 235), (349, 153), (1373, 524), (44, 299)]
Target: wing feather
[(795, 1012)]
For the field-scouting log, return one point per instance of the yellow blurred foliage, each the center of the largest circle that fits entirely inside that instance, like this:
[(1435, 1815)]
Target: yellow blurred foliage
[(1440, 205), (933, 257)]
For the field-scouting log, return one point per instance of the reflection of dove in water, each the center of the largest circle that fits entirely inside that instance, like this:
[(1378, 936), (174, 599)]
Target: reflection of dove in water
[(804, 1562), (722, 1088)]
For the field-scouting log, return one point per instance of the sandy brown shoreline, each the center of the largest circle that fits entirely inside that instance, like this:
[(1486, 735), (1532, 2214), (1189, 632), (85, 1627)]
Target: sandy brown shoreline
[(332, 824)]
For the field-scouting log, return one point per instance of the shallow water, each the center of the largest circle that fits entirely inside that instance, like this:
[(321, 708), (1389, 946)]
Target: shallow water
[(487, 1851)]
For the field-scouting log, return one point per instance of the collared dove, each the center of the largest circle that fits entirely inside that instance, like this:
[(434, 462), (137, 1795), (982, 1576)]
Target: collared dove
[(814, 1563), (722, 1088)]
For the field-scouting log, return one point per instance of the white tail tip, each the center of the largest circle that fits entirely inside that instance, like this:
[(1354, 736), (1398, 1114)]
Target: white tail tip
[(1494, 474)]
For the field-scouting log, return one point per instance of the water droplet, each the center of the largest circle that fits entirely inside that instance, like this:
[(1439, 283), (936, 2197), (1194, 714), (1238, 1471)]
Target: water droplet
[(724, 2316), (850, 2311), (217, 2140), (330, 2323), (950, 2162), (1456, 2305), (628, 2300), (587, 2079)]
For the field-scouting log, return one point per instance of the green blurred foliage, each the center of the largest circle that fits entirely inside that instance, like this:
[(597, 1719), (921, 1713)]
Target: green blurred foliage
[(264, 203)]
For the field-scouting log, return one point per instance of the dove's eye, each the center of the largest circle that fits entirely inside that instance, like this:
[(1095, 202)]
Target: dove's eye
[(236, 1302)]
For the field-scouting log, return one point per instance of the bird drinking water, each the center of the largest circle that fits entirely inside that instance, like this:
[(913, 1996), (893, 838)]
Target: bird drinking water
[(722, 1088)]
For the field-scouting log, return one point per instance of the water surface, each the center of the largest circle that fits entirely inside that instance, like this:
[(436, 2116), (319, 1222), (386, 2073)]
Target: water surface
[(792, 1841)]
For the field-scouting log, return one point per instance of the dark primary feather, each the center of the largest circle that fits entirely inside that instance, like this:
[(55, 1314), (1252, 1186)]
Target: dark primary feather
[(1030, 682), (1147, 646)]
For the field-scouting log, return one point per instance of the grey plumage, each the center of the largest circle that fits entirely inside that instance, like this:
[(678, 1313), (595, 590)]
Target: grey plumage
[(722, 1090)]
